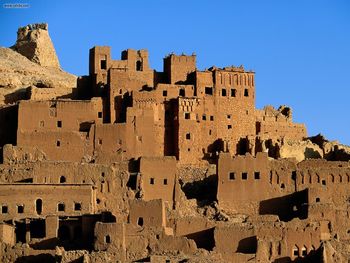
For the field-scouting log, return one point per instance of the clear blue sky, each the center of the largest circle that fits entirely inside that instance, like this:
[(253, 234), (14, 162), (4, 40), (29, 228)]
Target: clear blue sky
[(299, 49)]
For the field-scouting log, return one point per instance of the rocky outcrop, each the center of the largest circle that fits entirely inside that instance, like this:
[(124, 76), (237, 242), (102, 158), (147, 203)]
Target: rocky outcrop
[(300, 150), (34, 42)]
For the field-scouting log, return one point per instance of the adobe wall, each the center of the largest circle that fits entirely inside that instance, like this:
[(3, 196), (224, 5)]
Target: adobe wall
[(7, 234), (177, 68), (245, 181), (21, 200), (110, 237), (147, 213), (157, 178)]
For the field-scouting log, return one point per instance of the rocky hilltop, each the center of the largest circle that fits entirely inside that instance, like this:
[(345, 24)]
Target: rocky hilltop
[(31, 67)]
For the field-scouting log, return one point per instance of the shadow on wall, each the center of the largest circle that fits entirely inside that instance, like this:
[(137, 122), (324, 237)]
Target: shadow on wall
[(203, 239), (248, 245), (312, 154), (213, 151), (286, 207), (204, 191), (47, 258)]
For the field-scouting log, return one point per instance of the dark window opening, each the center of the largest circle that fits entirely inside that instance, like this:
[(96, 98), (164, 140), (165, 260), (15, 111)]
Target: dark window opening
[(151, 180), (233, 92), (39, 206), (140, 221), (4, 209), (323, 182), (209, 132), (317, 199), (294, 175), (212, 118), (204, 117), (99, 114), (182, 92), (20, 209), (138, 65), (61, 207), (42, 123), (165, 181), (77, 206), (103, 64), (228, 116), (58, 143), (78, 233), (304, 252), (98, 201), (295, 252), (209, 90), (246, 93), (59, 124), (187, 115), (100, 141), (37, 228), (64, 233), (283, 186), (189, 149), (257, 175), (62, 179), (232, 176), (244, 176), (107, 239), (223, 92), (188, 136), (229, 126), (165, 93)]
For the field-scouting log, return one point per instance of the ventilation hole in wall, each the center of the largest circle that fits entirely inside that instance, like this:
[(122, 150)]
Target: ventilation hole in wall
[(151, 180), (188, 136), (59, 124), (232, 176), (165, 182), (223, 92), (140, 221), (58, 143), (244, 176), (187, 115), (317, 199), (283, 186), (229, 127), (107, 239), (98, 201), (256, 175), (204, 117)]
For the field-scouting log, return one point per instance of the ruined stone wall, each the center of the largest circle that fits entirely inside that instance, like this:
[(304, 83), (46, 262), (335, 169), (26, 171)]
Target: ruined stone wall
[(147, 214)]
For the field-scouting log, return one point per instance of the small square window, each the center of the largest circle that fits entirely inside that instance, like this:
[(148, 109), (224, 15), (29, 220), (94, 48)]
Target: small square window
[(77, 206), (20, 209), (182, 92), (244, 176), (188, 149), (165, 93), (188, 136), (204, 117), (151, 180), (103, 64), (323, 182), (187, 115), (60, 207), (165, 181), (228, 116), (232, 176), (4, 209), (99, 114), (246, 93), (229, 126), (100, 141), (209, 90), (59, 124), (58, 143), (233, 92), (211, 117), (42, 123), (256, 175), (223, 92)]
